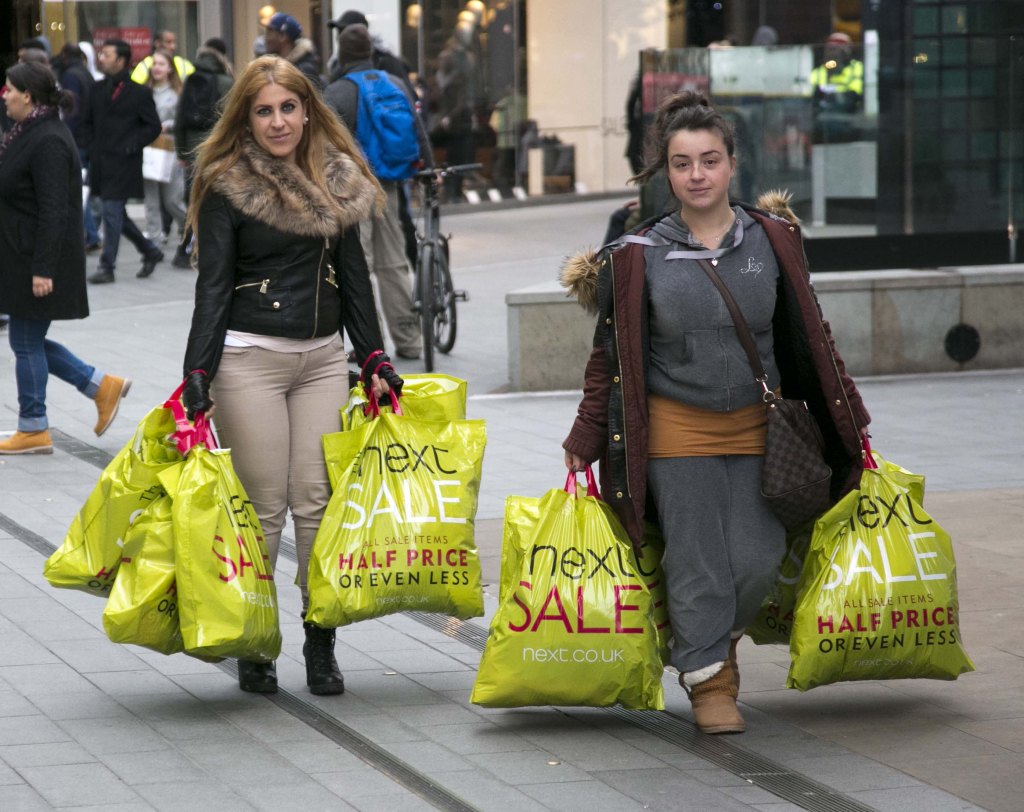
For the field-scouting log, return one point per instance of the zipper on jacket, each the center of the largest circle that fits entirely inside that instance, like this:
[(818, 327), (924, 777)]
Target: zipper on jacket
[(622, 379), (262, 285), (316, 284)]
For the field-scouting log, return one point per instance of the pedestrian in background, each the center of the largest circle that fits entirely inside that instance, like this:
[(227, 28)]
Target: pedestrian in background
[(381, 232), (120, 121), (164, 196), (284, 38), (42, 277), (163, 40), (280, 188), (670, 404), (75, 78)]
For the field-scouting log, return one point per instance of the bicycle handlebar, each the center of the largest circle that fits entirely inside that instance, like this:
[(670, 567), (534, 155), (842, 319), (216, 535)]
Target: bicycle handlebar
[(444, 171)]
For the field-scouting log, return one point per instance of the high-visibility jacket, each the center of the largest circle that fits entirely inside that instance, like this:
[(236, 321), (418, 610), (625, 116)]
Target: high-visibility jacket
[(848, 80), (181, 65)]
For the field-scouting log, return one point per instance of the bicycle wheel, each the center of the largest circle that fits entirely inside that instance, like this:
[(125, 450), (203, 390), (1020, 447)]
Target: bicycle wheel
[(445, 322), (425, 294)]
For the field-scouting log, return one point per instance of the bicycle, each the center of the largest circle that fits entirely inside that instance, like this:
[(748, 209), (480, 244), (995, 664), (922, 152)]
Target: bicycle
[(434, 293)]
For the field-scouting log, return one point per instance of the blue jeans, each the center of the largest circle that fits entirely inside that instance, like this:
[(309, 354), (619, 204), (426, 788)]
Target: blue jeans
[(35, 357), (115, 223)]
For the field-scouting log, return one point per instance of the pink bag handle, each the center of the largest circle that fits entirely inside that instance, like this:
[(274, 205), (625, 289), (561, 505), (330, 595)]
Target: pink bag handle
[(188, 435), (372, 407), (592, 489), (869, 460)]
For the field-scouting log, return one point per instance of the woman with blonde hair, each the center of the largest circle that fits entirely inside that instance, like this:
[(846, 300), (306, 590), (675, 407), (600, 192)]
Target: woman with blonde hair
[(164, 196), (279, 189)]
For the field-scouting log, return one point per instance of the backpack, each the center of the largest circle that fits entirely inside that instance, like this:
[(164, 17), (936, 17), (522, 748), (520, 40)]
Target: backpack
[(385, 125), (198, 106)]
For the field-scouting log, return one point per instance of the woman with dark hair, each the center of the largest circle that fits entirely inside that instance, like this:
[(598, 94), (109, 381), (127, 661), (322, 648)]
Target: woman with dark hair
[(280, 188), (671, 406), (42, 277)]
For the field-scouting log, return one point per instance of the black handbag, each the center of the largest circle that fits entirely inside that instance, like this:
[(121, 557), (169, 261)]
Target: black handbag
[(795, 479)]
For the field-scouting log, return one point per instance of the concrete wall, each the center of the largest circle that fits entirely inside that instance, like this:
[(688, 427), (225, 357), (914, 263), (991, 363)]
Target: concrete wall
[(883, 322), (582, 56)]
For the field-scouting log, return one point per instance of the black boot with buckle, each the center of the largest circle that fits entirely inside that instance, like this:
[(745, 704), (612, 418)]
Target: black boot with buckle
[(322, 673), (257, 678)]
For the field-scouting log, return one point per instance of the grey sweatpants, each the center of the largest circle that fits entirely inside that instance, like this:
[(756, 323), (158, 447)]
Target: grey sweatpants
[(722, 549)]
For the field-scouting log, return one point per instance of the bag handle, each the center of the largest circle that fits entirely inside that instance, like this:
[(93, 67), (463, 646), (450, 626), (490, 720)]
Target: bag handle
[(742, 330), (869, 458), (592, 489), (187, 434), (372, 407)]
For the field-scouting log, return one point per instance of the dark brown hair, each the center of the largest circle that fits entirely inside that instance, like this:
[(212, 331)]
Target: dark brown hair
[(683, 111), (39, 82)]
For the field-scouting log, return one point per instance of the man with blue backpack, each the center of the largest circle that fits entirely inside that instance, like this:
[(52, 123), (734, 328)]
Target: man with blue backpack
[(380, 112)]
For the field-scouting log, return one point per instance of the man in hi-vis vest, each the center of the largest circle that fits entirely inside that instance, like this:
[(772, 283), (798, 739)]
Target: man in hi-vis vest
[(838, 85)]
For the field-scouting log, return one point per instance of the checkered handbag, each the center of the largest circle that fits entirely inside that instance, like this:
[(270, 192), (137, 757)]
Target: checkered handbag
[(795, 478)]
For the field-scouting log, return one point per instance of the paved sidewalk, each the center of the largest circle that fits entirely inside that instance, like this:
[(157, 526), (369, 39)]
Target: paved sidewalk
[(85, 723)]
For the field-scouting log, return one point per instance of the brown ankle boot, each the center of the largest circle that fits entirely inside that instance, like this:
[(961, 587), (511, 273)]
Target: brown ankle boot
[(713, 699), (27, 442), (108, 398)]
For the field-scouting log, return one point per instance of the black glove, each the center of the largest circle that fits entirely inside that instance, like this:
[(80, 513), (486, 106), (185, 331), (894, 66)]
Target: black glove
[(380, 363), (196, 394)]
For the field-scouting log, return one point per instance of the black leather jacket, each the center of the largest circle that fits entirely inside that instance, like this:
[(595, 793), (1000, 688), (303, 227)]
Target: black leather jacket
[(257, 279)]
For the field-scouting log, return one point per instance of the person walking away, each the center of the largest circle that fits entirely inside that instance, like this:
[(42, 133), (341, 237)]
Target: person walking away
[(398, 68), (42, 278), (161, 196), (670, 404), (163, 40), (280, 187), (74, 77), (120, 121), (284, 38), (353, 95), (198, 110)]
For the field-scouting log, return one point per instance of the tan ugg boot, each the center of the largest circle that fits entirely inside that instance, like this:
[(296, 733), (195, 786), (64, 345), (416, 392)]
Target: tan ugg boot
[(108, 398), (712, 691), (27, 442)]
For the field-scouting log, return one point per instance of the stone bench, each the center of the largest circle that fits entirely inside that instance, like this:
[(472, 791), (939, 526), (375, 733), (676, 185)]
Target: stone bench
[(884, 323)]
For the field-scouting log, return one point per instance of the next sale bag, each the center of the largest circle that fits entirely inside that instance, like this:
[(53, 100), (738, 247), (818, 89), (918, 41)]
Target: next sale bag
[(398, 532), (227, 601), (575, 625), (877, 598), (143, 604), (91, 552), (431, 396)]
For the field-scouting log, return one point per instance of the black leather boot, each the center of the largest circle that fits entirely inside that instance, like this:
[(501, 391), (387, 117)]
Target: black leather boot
[(322, 673), (257, 678)]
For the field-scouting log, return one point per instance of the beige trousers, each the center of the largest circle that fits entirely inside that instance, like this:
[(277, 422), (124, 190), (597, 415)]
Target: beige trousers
[(271, 410), (384, 246)]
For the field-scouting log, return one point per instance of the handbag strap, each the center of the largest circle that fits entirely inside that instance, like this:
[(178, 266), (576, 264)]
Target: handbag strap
[(742, 329)]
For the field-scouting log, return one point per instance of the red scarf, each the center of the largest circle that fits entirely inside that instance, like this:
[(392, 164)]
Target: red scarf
[(38, 112)]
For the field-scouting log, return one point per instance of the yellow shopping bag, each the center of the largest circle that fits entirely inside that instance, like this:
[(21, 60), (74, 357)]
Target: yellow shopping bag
[(227, 601), (91, 552), (431, 396), (143, 605), (877, 596), (575, 625), (398, 533)]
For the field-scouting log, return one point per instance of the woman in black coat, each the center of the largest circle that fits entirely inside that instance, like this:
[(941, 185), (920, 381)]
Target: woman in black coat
[(42, 277)]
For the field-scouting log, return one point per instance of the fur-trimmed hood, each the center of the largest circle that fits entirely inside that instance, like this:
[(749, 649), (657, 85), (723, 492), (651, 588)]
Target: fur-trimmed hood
[(578, 273), (212, 60), (275, 192)]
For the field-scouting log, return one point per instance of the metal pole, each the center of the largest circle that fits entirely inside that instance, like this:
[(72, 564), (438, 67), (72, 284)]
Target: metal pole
[(1011, 228), (421, 39)]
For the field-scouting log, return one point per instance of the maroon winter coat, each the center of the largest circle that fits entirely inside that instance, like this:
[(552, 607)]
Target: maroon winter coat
[(612, 422)]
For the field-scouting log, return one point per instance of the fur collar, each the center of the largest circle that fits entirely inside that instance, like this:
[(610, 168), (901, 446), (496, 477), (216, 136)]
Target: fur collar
[(278, 194), (579, 272), (302, 49)]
